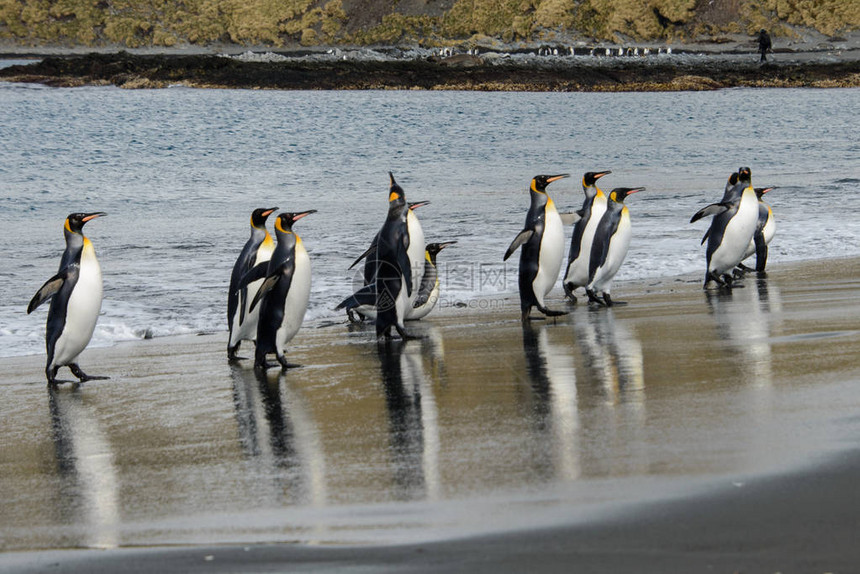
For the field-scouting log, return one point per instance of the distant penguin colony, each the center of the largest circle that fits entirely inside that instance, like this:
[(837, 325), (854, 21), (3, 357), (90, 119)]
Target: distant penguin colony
[(271, 280)]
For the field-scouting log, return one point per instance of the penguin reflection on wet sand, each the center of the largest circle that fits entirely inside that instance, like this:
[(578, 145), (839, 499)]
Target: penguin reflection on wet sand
[(241, 321), (393, 283), (283, 296), (731, 231), (593, 208), (76, 300), (542, 242), (611, 242)]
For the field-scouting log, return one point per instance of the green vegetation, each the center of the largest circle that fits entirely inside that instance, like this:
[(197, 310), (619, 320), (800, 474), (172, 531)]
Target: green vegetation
[(278, 23)]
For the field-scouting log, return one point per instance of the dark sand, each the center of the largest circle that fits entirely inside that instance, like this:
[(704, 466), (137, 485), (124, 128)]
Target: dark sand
[(681, 433)]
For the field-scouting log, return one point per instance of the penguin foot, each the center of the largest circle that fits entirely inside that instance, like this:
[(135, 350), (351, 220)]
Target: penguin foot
[(568, 292), (553, 313), (83, 377), (232, 357), (355, 316), (592, 297)]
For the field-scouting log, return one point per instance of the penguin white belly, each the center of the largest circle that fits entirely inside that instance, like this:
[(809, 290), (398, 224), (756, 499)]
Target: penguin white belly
[(415, 252), (551, 253), (577, 271), (423, 310), (737, 235), (767, 231), (82, 310), (296, 301), (618, 246), (247, 329), (368, 311), (403, 303)]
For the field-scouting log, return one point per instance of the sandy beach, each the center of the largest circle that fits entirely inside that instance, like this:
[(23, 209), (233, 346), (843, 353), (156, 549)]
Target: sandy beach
[(682, 432)]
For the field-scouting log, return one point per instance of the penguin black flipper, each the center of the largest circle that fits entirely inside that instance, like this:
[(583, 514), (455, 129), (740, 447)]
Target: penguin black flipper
[(369, 250), (281, 273), (713, 209), (705, 236), (364, 296), (48, 290), (257, 272), (760, 251), (523, 236)]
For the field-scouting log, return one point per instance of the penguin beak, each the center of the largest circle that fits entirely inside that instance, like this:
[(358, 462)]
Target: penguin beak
[(418, 204), (90, 216), (636, 190), (446, 244), (766, 189), (270, 211), (553, 178), (600, 174), (298, 216)]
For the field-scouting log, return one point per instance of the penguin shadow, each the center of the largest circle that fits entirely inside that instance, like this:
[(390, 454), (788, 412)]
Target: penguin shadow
[(613, 357), (744, 320), (268, 435), (89, 485), (554, 409), (412, 420)]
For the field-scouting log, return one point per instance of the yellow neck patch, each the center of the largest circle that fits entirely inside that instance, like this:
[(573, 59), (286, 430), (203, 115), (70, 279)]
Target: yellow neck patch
[(279, 227), (393, 196)]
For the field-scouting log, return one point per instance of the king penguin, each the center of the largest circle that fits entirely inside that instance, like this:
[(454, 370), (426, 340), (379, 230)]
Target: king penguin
[(393, 284), (241, 321), (360, 305), (76, 300), (611, 242), (283, 296), (542, 241), (731, 231), (578, 257), (428, 291), (765, 229)]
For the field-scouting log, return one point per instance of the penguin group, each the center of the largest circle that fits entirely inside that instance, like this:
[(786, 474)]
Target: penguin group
[(270, 281)]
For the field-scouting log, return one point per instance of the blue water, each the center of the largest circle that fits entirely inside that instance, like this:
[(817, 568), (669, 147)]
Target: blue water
[(179, 171)]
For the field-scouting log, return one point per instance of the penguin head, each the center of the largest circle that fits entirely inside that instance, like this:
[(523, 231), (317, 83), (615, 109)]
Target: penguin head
[(619, 193), (733, 179), (259, 216), (744, 174), (760, 191), (396, 195), (75, 221), (590, 178), (433, 249), (284, 222), (539, 182)]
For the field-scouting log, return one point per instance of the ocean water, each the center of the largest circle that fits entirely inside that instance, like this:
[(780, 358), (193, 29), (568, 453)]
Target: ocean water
[(179, 170)]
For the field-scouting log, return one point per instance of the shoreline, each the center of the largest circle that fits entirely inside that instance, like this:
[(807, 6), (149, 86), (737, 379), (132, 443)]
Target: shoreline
[(675, 456), (488, 72)]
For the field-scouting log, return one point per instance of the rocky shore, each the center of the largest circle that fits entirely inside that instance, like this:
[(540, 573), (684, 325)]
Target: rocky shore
[(545, 69)]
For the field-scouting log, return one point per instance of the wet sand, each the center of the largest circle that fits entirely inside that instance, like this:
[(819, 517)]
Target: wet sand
[(681, 432)]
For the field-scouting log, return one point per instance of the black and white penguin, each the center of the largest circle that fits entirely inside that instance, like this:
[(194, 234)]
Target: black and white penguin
[(241, 321), (542, 241), (764, 231), (360, 305), (611, 242), (76, 300), (428, 291), (393, 285), (578, 257), (731, 231), (283, 296)]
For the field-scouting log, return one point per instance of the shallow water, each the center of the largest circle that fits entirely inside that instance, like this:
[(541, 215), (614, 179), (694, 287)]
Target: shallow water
[(180, 170)]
